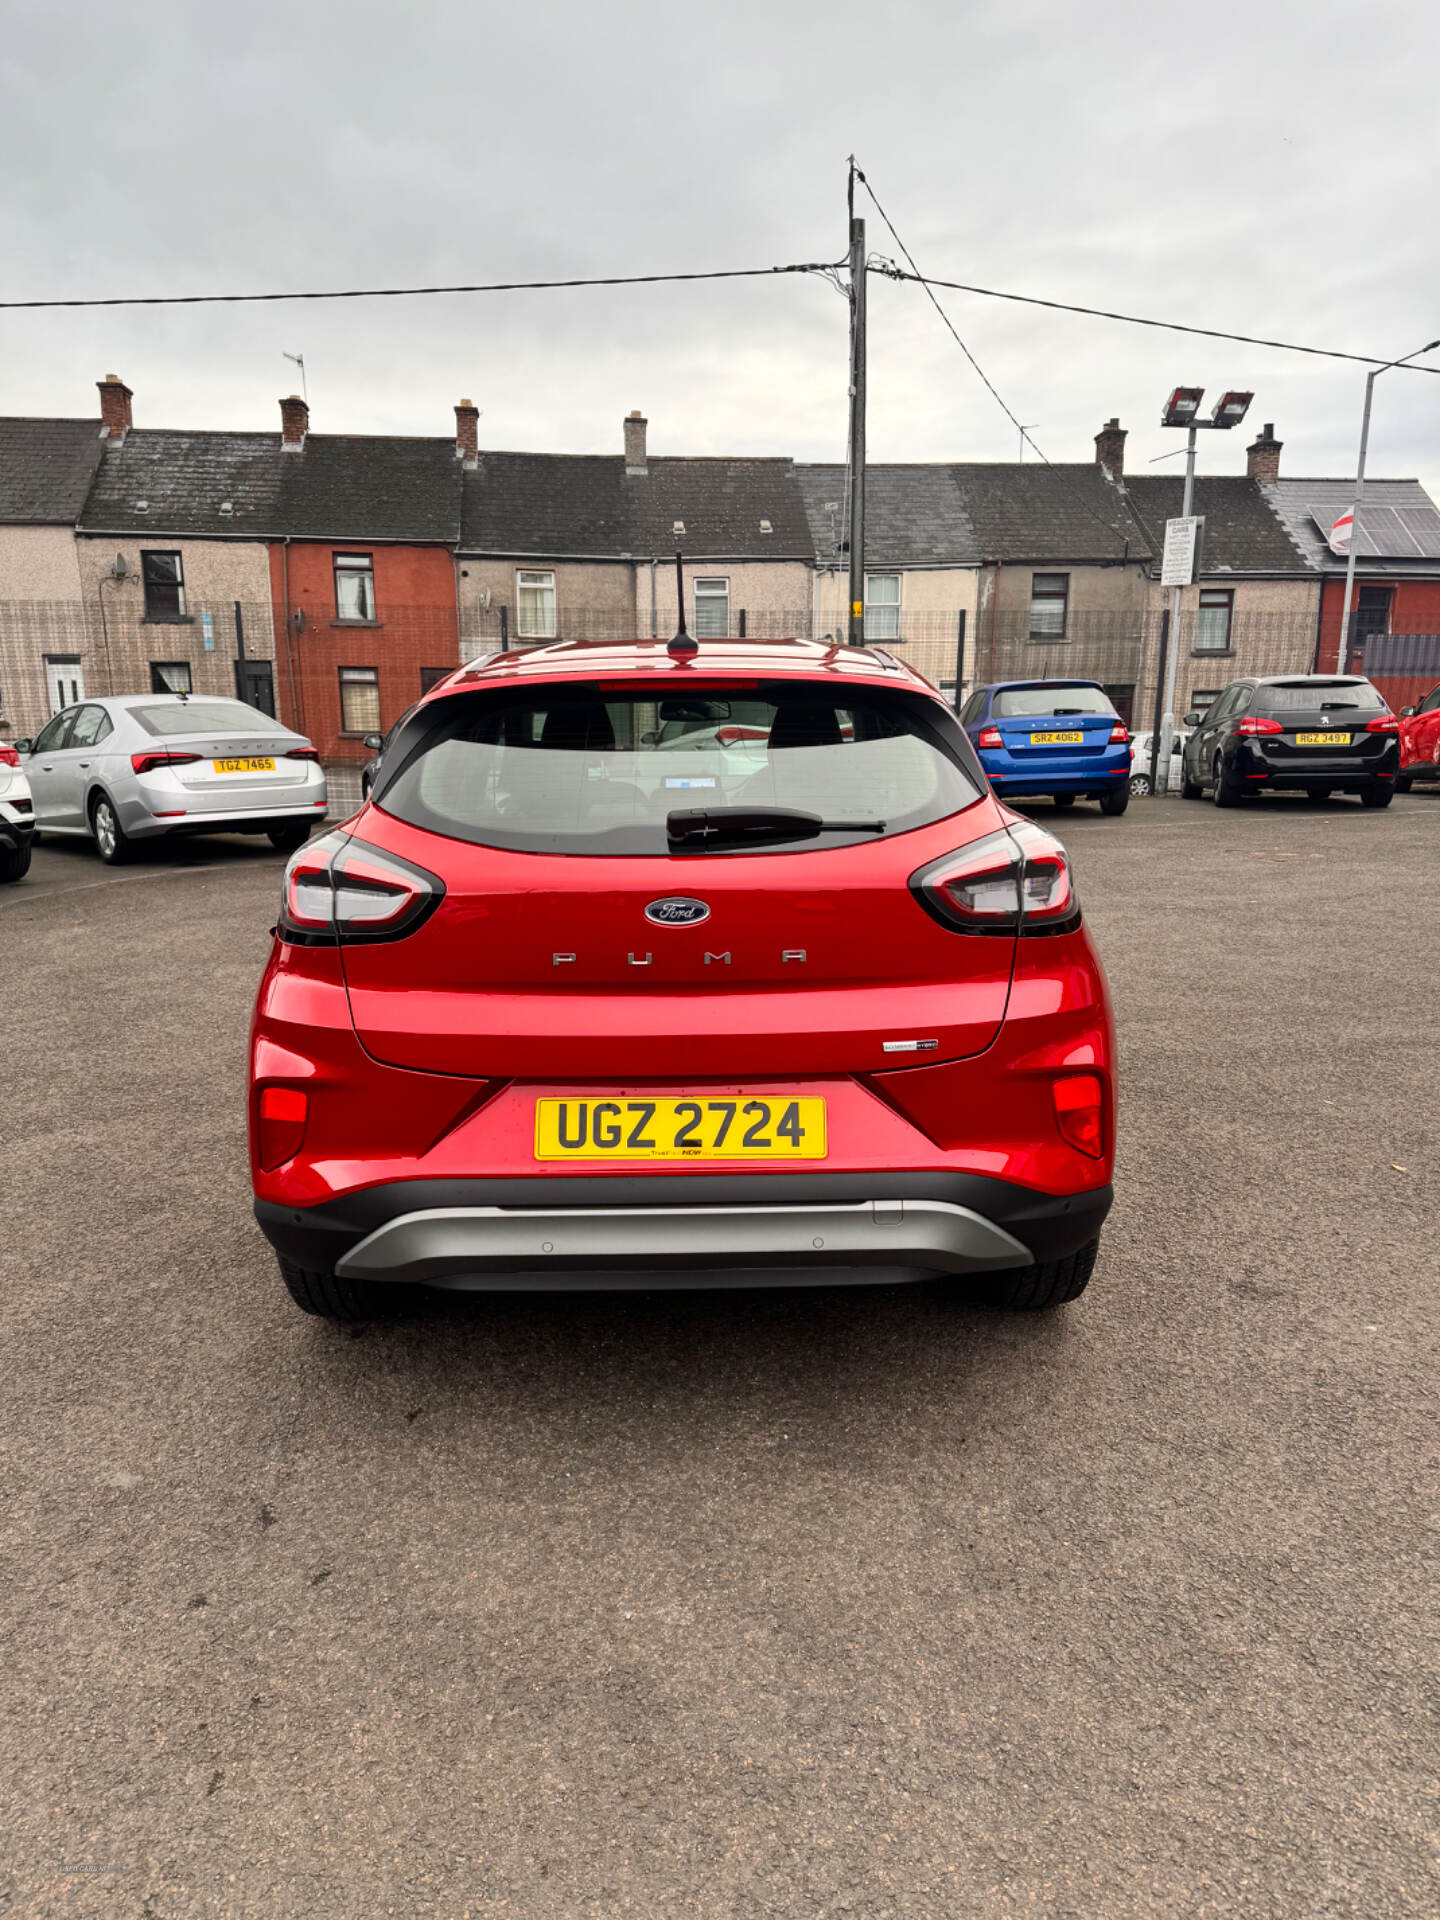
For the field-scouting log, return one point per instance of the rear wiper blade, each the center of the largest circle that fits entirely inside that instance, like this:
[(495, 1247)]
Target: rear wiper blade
[(702, 826)]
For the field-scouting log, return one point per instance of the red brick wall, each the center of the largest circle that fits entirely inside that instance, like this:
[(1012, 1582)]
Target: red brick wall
[(416, 627), (1414, 609)]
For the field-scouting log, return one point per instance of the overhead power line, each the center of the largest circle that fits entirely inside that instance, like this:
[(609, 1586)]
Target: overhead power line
[(1139, 320), (405, 293)]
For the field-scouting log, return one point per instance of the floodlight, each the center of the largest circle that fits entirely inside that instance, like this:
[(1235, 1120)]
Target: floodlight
[(1231, 409), (1182, 406)]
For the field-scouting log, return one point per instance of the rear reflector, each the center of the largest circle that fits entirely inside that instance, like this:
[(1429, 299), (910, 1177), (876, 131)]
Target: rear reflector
[(283, 1111), (148, 762), (1079, 1112)]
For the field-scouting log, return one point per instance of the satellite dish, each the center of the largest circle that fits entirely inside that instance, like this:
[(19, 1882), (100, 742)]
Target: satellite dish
[(119, 570)]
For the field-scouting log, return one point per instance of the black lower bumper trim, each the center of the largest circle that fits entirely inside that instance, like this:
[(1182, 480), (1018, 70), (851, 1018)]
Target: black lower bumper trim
[(1049, 1226)]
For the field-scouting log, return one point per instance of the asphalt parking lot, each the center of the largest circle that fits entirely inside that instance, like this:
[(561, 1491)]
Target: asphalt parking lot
[(852, 1603)]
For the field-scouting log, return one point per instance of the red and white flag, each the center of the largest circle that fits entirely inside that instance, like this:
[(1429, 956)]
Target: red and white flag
[(1341, 532)]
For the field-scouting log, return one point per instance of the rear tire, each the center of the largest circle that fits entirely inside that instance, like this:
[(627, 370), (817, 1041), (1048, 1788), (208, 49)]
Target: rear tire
[(289, 839), (1377, 796), (1062, 799), (329, 1297), (1049, 1283), (1189, 789), (111, 842), (1116, 801), (14, 862), (1227, 792)]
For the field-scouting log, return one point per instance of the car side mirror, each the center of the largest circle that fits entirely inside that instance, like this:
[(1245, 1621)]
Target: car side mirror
[(23, 746), (1405, 714), (1192, 719), (372, 740)]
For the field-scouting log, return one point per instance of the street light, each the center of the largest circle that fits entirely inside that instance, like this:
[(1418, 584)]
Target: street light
[(1182, 410), (1342, 658)]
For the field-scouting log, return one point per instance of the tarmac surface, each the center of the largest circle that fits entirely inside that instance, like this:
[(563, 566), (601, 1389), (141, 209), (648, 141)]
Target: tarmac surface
[(853, 1603)]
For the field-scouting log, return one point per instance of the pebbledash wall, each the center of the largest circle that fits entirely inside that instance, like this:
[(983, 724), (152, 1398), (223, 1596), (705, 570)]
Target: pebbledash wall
[(413, 639), (126, 641)]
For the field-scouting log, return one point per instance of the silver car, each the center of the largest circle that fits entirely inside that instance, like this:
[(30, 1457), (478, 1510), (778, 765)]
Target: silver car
[(139, 766)]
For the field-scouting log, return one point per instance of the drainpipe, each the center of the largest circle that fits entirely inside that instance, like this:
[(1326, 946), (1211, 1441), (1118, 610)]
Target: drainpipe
[(1320, 618), (295, 701), (653, 628)]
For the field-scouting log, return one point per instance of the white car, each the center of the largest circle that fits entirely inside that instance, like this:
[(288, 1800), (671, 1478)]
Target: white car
[(17, 817), (1140, 751), (141, 766)]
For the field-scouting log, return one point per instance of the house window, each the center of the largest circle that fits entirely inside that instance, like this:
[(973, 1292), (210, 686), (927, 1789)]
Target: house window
[(535, 606), (1202, 699), (354, 586), (432, 676), (1214, 620), (1049, 599), (359, 700), (170, 676), (1372, 610), (164, 577), (712, 609), (882, 606)]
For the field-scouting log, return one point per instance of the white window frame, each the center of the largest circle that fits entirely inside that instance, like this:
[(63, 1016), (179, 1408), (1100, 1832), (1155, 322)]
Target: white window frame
[(355, 566), (529, 625), (1222, 602), (1044, 604), (882, 616), (360, 677), (714, 594)]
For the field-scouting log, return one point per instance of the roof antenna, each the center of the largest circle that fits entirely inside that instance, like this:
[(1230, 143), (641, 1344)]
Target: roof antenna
[(682, 646)]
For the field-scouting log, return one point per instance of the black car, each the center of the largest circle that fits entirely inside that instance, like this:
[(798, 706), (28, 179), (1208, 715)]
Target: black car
[(377, 743), (1311, 733)]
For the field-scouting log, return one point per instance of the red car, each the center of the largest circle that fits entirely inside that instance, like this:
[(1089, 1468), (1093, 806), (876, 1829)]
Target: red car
[(562, 1007), (1420, 742)]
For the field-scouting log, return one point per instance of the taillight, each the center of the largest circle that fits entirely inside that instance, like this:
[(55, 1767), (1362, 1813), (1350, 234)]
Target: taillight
[(1383, 723), (1258, 723), (339, 889), (302, 753), (8, 756), (283, 1112), (1015, 881), (990, 738), (148, 762), (1080, 1112), (1119, 734)]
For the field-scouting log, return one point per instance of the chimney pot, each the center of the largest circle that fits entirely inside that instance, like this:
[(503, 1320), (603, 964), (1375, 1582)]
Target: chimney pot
[(115, 421), (1110, 449), (635, 425), (1262, 456), (467, 434), (294, 423)]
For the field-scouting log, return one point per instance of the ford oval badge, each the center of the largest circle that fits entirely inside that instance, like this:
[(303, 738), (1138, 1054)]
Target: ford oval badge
[(677, 912)]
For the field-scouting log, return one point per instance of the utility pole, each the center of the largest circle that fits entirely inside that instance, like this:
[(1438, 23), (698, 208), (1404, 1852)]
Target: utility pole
[(1160, 779), (855, 626)]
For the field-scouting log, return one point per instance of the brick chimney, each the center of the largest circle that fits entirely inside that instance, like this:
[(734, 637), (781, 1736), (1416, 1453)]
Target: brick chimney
[(115, 420), (635, 425), (294, 424), (1262, 456), (1110, 449), (467, 434)]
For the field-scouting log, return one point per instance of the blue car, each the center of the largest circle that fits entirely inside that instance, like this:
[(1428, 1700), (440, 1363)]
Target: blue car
[(1061, 737)]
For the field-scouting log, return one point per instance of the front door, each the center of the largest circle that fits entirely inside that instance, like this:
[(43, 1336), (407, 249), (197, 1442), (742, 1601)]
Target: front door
[(64, 680), (255, 684)]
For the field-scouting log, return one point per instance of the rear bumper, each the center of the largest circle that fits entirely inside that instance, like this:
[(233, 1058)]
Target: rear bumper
[(1099, 776), (16, 830), (250, 820), (694, 1231), (1348, 771)]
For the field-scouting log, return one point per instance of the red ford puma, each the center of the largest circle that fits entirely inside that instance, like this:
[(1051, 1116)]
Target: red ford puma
[(569, 1004)]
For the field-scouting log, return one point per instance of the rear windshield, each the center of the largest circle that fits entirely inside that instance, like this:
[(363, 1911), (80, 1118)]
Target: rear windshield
[(1318, 696), (1013, 702), (202, 716), (567, 770)]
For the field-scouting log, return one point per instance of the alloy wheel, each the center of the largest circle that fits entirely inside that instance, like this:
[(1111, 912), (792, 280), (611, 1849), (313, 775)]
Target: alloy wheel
[(105, 830)]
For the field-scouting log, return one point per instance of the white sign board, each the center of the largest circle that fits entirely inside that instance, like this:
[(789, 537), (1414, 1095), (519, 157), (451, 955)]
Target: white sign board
[(1177, 567)]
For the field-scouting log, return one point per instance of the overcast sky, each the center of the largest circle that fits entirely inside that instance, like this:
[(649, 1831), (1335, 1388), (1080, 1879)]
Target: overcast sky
[(1269, 167)]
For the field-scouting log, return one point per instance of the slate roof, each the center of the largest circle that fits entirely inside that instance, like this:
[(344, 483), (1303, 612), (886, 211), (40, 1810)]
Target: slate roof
[(914, 516), (45, 469), (722, 503), (1036, 513), (553, 504), (1292, 500), (1242, 533), (339, 486)]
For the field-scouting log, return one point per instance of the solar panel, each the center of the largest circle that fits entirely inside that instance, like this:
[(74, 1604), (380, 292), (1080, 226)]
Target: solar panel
[(1386, 533)]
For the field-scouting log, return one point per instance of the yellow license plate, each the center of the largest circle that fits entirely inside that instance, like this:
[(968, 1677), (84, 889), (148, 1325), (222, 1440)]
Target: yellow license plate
[(1056, 739), (737, 1129), (262, 763), (1322, 739)]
